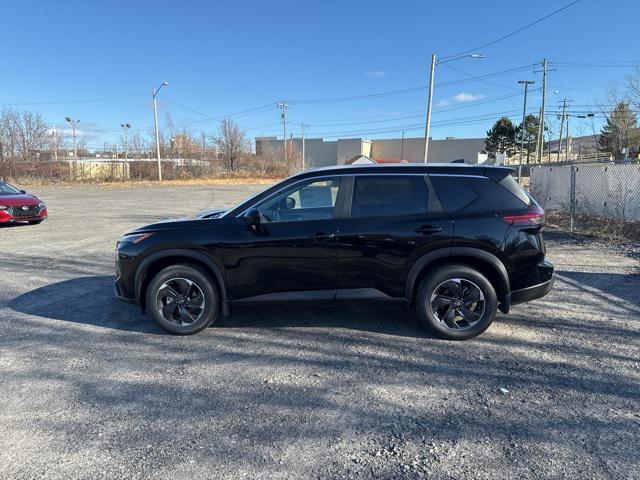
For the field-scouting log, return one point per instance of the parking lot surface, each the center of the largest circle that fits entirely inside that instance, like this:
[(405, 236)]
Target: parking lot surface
[(90, 388)]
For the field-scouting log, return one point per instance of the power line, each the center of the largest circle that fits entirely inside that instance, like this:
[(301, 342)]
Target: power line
[(511, 34), (70, 102), (489, 82)]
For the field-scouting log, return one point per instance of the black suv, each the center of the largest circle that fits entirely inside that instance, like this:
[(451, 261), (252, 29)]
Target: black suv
[(457, 242)]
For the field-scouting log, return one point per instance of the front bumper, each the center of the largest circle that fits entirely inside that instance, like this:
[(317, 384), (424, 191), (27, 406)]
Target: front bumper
[(120, 296), (7, 216)]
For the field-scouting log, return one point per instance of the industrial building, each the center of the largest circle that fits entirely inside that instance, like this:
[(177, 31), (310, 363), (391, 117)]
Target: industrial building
[(322, 153)]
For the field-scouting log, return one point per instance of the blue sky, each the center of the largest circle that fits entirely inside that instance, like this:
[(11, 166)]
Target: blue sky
[(225, 57)]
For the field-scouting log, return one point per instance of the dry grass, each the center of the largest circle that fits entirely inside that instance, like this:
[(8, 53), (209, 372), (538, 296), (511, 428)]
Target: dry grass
[(225, 180), (600, 227)]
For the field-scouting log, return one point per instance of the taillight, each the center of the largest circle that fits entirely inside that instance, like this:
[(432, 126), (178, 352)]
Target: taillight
[(533, 216)]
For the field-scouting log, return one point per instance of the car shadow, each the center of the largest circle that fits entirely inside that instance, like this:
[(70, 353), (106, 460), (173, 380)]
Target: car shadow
[(16, 224), (86, 300), (90, 300)]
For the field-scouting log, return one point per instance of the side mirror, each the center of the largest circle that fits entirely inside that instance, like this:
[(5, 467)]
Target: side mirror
[(290, 203), (23, 191), (253, 218)]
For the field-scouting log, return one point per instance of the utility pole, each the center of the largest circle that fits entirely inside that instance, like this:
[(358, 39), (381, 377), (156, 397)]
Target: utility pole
[(564, 109), (526, 84), (595, 137), (568, 141), (304, 163), (540, 137), (154, 93), (402, 147), (284, 106), (73, 124)]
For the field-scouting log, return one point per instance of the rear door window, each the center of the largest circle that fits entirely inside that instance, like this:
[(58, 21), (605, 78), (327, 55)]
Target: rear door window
[(393, 195)]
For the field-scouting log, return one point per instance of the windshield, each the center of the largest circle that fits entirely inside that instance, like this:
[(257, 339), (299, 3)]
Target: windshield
[(6, 189)]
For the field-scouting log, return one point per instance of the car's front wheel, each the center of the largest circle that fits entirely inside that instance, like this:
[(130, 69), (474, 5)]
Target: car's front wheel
[(182, 299), (456, 302)]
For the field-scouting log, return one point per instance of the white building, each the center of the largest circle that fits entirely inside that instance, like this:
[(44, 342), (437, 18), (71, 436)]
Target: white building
[(321, 153)]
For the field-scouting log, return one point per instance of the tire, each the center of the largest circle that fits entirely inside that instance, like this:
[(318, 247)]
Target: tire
[(183, 299), (456, 302), (35, 222)]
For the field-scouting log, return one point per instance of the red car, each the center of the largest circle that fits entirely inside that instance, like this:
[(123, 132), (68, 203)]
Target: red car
[(18, 206)]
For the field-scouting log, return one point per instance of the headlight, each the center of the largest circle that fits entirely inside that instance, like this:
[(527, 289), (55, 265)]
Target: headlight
[(41, 205), (4, 207)]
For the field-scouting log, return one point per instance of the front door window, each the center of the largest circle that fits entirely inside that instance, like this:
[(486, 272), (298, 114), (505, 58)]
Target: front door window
[(310, 201)]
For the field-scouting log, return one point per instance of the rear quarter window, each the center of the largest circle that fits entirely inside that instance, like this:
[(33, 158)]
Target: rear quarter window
[(475, 195), (511, 184)]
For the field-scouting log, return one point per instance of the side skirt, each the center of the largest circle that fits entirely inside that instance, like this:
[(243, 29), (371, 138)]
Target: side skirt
[(322, 297)]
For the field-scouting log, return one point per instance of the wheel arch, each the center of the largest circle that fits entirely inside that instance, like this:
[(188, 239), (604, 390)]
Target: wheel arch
[(159, 260), (487, 263)]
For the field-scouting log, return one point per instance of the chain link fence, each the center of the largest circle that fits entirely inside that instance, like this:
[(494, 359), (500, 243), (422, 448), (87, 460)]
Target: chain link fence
[(601, 199)]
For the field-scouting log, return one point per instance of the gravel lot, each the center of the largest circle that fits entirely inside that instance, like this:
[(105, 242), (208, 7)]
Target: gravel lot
[(90, 388)]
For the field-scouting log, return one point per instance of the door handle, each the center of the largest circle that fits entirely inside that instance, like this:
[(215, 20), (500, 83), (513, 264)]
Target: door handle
[(426, 229)]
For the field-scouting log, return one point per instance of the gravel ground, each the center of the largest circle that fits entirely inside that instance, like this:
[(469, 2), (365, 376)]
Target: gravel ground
[(90, 388)]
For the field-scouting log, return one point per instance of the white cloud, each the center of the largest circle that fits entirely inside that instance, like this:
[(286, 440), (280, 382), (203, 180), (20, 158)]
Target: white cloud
[(375, 73), (462, 97)]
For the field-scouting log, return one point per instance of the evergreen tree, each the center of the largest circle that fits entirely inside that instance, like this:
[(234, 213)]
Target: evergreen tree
[(501, 138), (530, 134), (620, 131)]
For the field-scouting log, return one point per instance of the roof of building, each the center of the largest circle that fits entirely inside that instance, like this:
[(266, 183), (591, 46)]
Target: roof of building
[(361, 159)]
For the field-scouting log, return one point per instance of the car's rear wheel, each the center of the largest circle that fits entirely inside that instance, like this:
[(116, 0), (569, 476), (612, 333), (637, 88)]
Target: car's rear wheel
[(183, 299), (456, 302)]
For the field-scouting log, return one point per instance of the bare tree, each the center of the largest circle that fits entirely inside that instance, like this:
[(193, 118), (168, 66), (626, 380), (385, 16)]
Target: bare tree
[(232, 143), (22, 134), (633, 88)]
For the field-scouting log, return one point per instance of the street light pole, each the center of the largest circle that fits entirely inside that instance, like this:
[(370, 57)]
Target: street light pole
[(155, 122), (434, 62), (284, 106), (126, 127), (73, 124), (429, 100), (54, 134), (526, 84)]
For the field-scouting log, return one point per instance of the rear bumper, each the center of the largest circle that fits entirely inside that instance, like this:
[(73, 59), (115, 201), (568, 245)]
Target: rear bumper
[(531, 293), (542, 280)]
